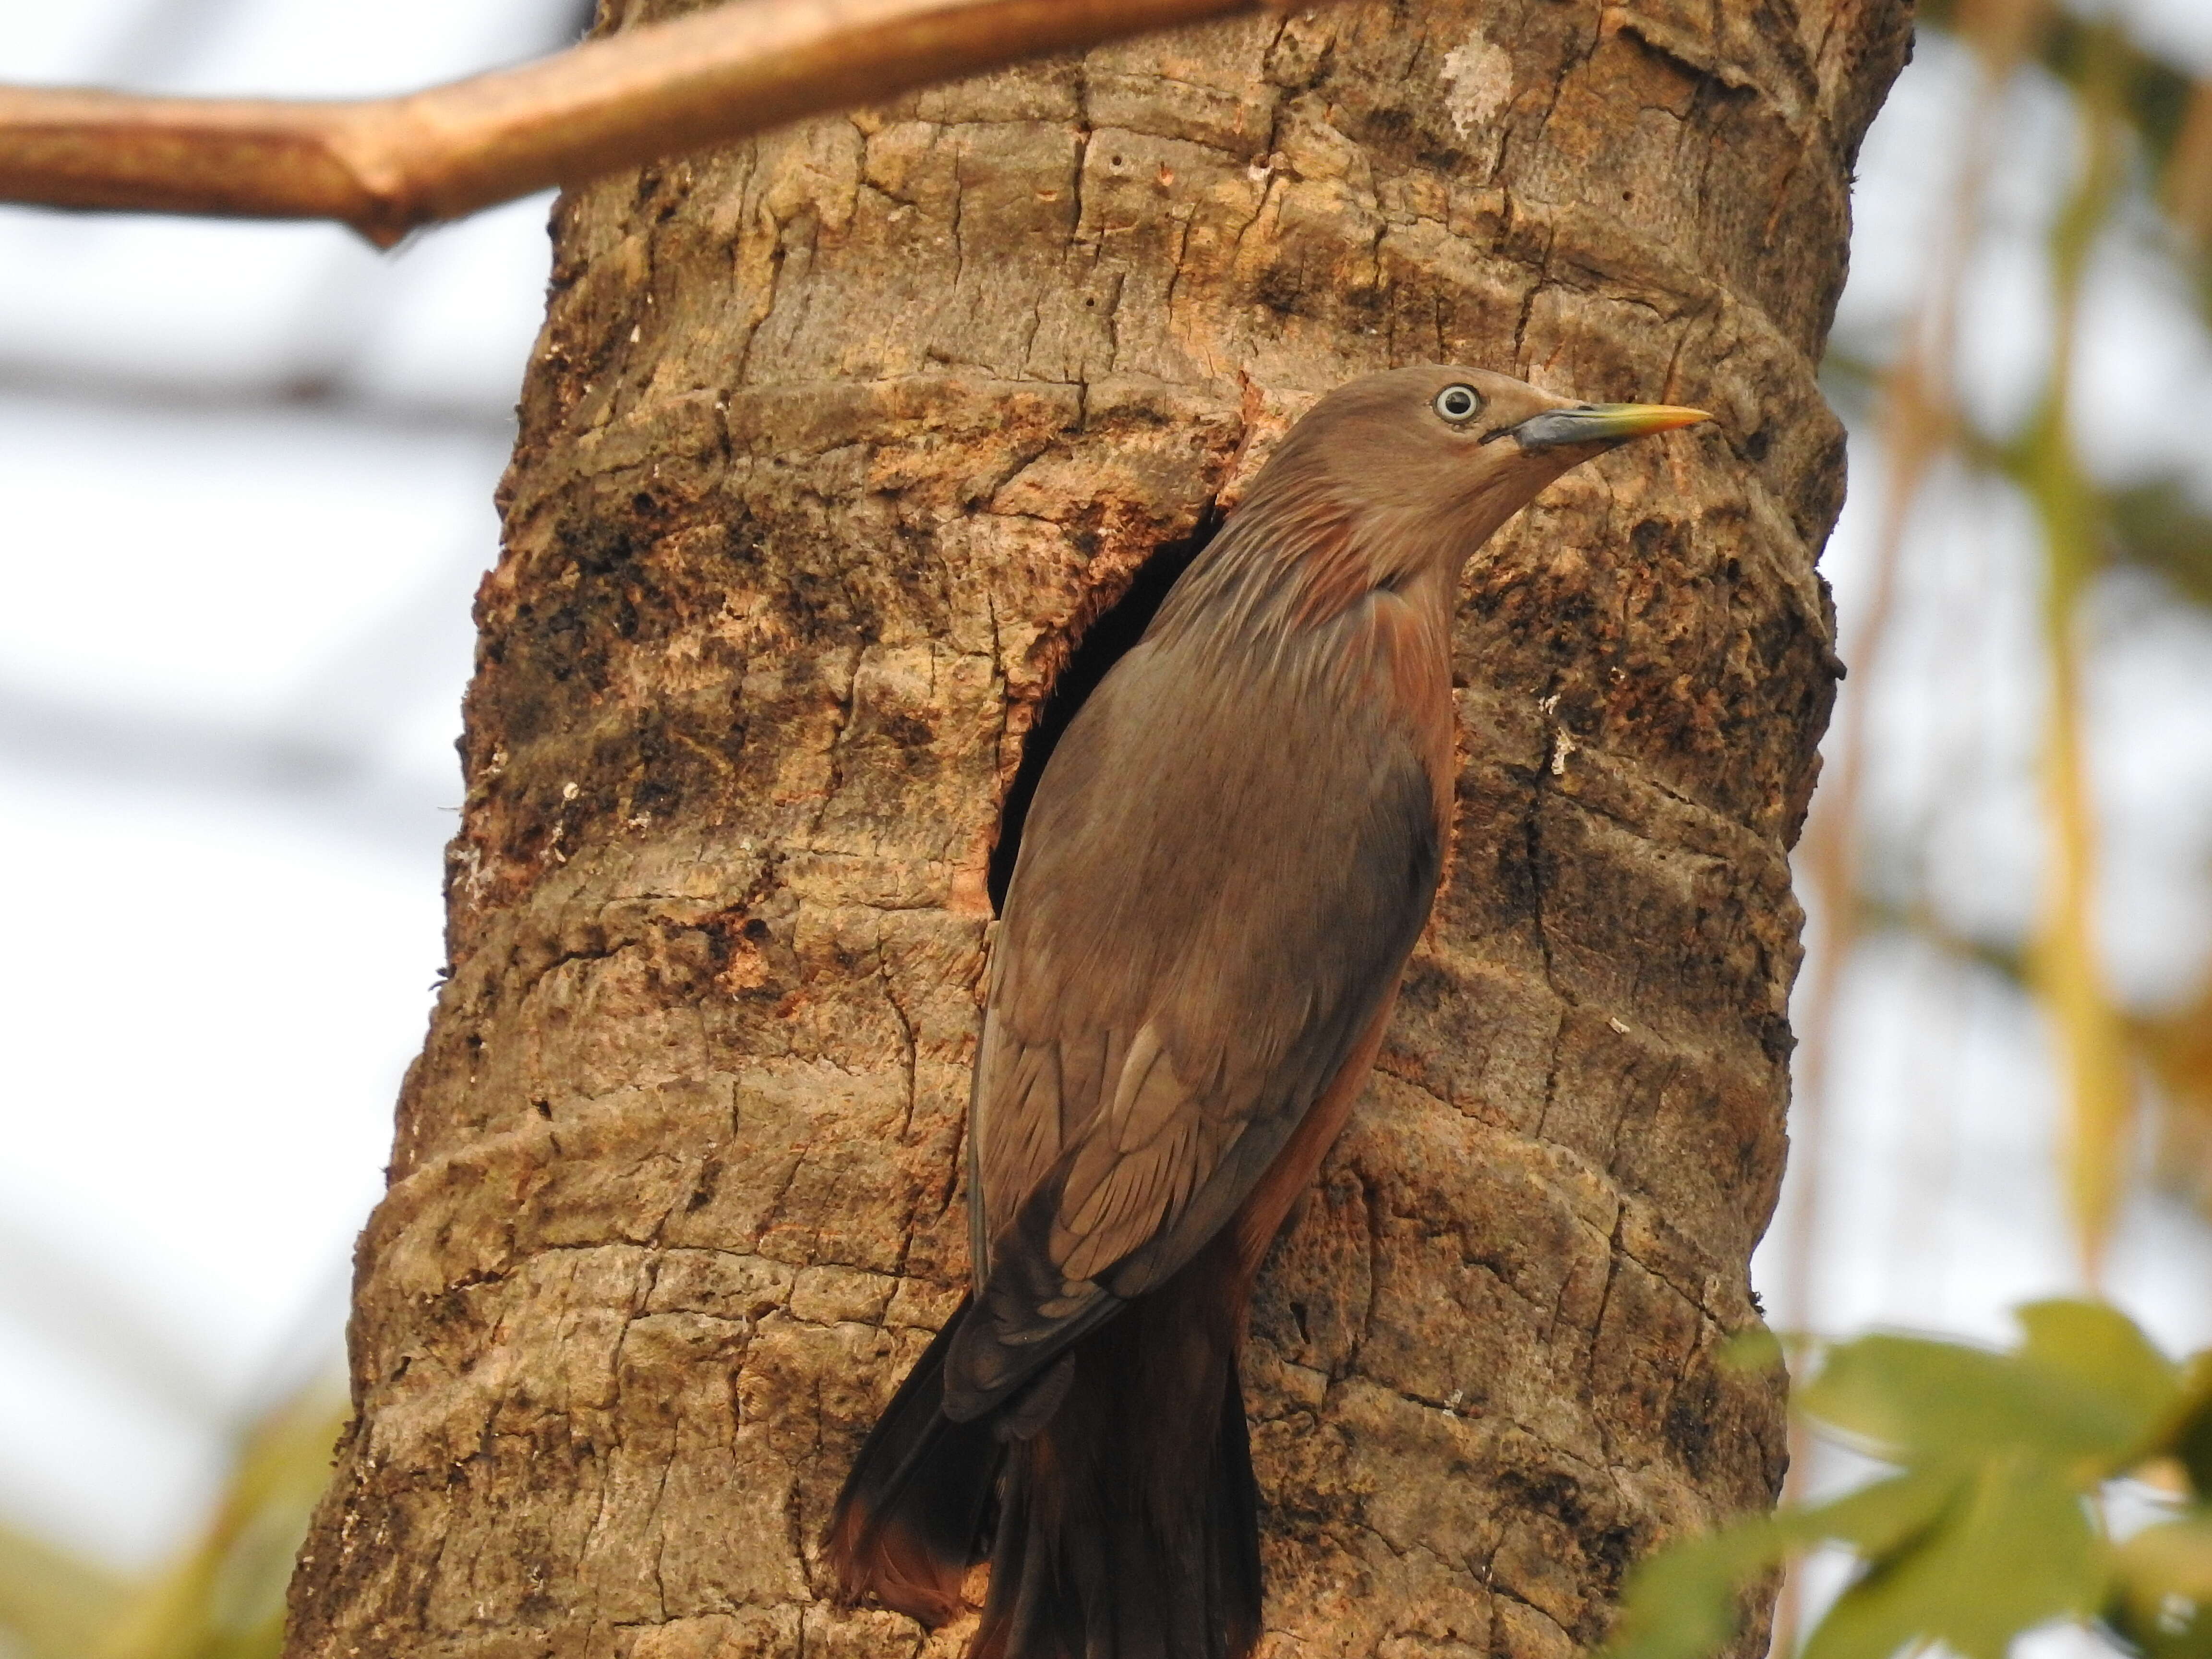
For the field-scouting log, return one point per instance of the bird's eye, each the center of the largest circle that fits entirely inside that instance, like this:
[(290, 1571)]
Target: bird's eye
[(1458, 402)]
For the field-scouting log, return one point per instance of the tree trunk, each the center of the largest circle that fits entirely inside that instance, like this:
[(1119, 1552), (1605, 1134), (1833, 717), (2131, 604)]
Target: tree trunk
[(834, 445)]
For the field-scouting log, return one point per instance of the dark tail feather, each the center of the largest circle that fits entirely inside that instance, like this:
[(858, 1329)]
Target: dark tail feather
[(1128, 1524), (910, 1521), (1233, 1525)]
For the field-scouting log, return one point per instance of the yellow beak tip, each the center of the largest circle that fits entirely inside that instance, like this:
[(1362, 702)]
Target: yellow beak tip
[(1604, 423)]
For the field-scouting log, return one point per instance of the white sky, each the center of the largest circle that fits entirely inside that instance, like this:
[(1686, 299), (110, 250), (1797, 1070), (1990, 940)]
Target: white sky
[(245, 485)]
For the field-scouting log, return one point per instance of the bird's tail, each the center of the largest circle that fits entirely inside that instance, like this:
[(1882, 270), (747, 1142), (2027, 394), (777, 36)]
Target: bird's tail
[(915, 1511), (1114, 1495), (1128, 1524)]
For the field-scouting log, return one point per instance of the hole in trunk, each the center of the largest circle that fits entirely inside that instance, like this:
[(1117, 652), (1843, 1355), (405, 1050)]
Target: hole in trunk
[(1099, 646)]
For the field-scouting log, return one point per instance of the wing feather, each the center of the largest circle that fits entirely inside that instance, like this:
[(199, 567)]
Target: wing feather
[(1190, 953)]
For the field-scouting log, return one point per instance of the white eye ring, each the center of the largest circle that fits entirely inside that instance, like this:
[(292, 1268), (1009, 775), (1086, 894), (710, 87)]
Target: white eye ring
[(1458, 403)]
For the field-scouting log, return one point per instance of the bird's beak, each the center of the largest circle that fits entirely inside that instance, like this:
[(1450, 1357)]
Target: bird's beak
[(1601, 423)]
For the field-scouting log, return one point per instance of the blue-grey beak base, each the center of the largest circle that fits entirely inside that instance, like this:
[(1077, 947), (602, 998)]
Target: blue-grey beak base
[(1601, 423)]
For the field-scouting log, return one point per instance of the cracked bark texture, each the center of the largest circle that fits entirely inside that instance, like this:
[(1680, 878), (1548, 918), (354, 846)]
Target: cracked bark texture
[(832, 445)]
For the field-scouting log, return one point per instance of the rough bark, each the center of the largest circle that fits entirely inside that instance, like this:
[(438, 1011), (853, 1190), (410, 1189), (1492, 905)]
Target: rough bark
[(834, 444)]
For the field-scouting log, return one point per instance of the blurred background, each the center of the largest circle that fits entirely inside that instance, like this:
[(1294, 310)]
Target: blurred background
[(246, 473)]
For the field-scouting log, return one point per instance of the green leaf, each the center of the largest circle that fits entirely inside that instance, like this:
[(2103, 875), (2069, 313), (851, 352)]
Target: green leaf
[(2164, 1602), (2085, 1385), (2172, 1558), (1910, 1400), (52, 1604), (1754, 1348), (1988, 1531), (2104, 1354), (1682, 1602), (2015, 1549), (2190, 1439), (1878, 1519)]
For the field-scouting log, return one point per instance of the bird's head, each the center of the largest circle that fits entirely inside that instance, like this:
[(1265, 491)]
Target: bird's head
[(1446, 454)]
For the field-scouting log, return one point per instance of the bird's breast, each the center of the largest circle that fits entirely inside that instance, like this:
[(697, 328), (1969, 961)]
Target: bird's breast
[(1408, 663)]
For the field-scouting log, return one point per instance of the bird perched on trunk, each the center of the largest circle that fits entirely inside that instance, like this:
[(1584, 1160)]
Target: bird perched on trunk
[(1227, 860)]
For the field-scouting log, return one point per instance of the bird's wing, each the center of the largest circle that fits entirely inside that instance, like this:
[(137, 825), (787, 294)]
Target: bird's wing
[(1220, 877)]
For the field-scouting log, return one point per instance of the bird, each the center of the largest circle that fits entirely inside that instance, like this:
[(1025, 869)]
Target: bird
[(1228, 859)]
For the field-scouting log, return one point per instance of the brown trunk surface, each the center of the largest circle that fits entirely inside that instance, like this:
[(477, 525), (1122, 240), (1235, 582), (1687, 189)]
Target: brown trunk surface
[(833, 444)]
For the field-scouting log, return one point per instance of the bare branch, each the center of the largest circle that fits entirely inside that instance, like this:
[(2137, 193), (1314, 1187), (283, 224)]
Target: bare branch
[(387, 164)]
